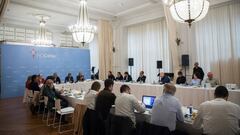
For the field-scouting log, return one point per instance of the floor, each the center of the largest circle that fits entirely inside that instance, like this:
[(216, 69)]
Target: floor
[(16, 119)]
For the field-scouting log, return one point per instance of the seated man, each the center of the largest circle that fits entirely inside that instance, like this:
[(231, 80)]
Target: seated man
[(211, 80), (127, 77), (218, 116), (50, 92), (142, 77), (110, 75), (105, 99), (164, 79), (181, 79), (167, 109), (80, 77), (56, 78), (127, 103), (69, 78)]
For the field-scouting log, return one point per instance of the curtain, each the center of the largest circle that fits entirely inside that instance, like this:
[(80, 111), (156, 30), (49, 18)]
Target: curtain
[(218, 42), (105, 42), (172, 36), (93, 47), (148, 43)]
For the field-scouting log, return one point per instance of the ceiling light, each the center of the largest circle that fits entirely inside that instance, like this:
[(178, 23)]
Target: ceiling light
[(83, 32), (42, 37), (189, 11)]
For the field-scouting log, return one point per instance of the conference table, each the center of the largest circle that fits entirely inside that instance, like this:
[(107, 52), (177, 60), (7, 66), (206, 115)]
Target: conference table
[(187, 95)]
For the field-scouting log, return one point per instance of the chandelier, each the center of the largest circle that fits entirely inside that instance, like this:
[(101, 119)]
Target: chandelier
[(83, 32), (188, 11), (42, 37)]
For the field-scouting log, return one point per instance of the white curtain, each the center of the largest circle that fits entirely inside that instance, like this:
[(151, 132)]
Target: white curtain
[(218, 42), (93, 47), (148, 43), (105, 44)]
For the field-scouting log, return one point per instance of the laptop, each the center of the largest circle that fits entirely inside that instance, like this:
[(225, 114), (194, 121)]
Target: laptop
[(148, 101)]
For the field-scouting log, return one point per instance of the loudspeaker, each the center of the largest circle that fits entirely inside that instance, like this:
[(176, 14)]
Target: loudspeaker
[(159, 64), (130, 62), (185, 60)]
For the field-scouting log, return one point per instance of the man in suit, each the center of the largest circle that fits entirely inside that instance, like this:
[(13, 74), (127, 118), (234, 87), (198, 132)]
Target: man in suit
[(198, 71), (142, 77), (164, 79), (80, 77), (69, 78), (105, 99), (127, 77), (56, 78), (181, 79)]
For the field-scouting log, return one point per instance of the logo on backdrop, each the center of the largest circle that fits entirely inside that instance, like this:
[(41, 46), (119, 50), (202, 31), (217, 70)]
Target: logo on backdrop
[(42, 54)]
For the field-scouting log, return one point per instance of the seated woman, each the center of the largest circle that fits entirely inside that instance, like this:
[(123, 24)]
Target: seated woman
[(196, 81), (91, 95), (119, 76), (111, 76)]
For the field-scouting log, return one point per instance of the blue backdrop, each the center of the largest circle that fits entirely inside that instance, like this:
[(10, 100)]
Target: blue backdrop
[(19, 61)]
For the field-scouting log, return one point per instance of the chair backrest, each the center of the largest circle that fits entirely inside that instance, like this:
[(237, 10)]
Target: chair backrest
[(79, 112), (36, 97), (58, 104), (145, 128), (30, 93), (45, 100), (121, 125), (92, 124)]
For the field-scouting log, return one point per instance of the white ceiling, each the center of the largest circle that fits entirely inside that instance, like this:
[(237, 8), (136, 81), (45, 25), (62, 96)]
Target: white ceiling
[(64, 12)]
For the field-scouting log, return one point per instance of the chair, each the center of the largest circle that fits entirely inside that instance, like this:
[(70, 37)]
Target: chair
[(61, 112), (79, 112), (145, 128), (92, 123), (40, 102), (121, 125), (35, 98), (48, 111), (29, 96)]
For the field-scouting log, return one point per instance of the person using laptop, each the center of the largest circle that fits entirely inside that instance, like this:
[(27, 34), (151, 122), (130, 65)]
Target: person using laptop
[(167, 109), (126, 103)]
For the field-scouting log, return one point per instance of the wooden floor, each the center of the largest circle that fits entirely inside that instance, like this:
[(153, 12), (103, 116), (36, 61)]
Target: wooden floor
[(16, 119)]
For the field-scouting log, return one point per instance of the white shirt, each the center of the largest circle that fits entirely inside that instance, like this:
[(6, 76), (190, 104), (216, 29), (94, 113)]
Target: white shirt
[(90, 99), (218, 117), (125, 105), (167, 111)]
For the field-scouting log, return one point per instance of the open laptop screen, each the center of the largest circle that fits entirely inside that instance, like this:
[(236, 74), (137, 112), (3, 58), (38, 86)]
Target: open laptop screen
[(148, 101)]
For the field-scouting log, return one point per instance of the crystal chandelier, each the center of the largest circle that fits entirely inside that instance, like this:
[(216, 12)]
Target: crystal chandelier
[(42, 38), (83, 32), (188, 11)]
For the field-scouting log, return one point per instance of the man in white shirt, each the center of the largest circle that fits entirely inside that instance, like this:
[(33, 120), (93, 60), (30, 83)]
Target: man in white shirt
[(90, 97), (218, 116), (167, 109), (126, 103)]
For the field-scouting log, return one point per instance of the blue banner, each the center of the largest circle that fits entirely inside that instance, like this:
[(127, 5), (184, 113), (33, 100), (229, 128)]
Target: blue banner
[(19, 61)]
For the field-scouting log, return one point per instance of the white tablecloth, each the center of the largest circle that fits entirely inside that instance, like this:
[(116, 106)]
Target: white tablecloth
[(186, 95)]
